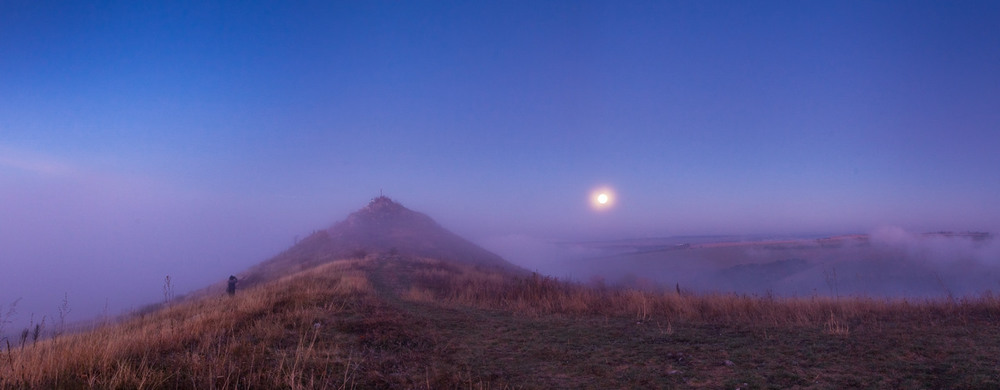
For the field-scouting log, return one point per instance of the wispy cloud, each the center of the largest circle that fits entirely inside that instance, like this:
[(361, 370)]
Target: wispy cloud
[(33, 162)]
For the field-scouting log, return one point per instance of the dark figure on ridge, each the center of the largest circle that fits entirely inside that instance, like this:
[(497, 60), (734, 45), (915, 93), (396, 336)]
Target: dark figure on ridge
[(231, 289)]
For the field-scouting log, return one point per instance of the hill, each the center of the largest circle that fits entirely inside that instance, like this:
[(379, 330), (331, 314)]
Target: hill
[(383, 226), (389, 299), (392, 321)]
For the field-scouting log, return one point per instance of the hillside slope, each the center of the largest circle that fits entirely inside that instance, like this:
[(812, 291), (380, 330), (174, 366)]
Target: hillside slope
[(393, 321), (383, 226)]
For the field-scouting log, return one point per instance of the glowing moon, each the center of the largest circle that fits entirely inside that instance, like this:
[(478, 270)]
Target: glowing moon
[(602, 199)]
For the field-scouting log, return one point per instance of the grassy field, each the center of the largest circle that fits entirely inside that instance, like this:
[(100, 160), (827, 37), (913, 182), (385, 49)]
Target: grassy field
[(392, 322)]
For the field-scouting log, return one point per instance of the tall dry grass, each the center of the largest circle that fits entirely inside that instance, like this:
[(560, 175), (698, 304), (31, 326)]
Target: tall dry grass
[(343, 324), (220, 342), (537, 295)]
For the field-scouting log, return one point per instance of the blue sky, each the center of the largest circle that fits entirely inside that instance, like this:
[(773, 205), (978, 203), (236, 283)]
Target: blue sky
[(714, 117), (187, 133)]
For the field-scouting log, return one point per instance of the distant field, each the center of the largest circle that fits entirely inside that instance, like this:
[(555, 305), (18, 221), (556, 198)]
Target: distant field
[(395, 322)]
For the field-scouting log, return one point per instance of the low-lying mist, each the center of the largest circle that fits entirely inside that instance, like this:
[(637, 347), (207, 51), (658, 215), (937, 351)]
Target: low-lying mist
[(887, 262)]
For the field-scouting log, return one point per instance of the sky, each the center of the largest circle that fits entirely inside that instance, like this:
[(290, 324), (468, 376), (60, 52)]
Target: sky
[(197, 138)]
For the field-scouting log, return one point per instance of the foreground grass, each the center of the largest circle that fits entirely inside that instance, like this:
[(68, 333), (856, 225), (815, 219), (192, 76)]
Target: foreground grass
[(391, 322)]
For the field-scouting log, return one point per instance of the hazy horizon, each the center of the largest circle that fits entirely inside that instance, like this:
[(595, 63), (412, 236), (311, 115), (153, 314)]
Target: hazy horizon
[(194, 140)]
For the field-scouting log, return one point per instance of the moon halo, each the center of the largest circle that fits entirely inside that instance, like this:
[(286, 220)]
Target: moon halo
[(602, 198)]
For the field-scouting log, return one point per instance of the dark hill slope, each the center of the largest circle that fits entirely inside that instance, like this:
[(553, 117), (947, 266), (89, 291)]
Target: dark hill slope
[(383, 226)]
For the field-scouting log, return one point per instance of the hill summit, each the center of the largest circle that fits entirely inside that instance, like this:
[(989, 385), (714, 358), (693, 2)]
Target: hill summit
[(382, 227)]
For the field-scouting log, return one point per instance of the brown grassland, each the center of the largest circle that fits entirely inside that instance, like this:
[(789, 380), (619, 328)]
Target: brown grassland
[(393, 322)]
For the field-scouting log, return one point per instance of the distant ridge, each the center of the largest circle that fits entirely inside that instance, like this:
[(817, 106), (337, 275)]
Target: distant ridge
[(383, 226)]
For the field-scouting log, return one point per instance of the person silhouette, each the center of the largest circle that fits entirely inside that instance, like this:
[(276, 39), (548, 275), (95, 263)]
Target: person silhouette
[(231, 288)]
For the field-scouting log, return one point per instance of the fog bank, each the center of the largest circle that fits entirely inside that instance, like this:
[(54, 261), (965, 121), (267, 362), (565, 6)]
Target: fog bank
[(888, 262)]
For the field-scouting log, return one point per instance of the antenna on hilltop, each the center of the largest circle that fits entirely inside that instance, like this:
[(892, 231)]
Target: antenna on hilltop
[(380, 193)]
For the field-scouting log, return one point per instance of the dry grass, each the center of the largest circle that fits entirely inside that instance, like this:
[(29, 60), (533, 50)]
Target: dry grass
[(541, 295), (419, 323), (221, 342)]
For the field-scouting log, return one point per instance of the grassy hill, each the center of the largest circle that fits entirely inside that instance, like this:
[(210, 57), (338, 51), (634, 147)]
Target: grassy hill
[(382, 226), (397, 321)]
